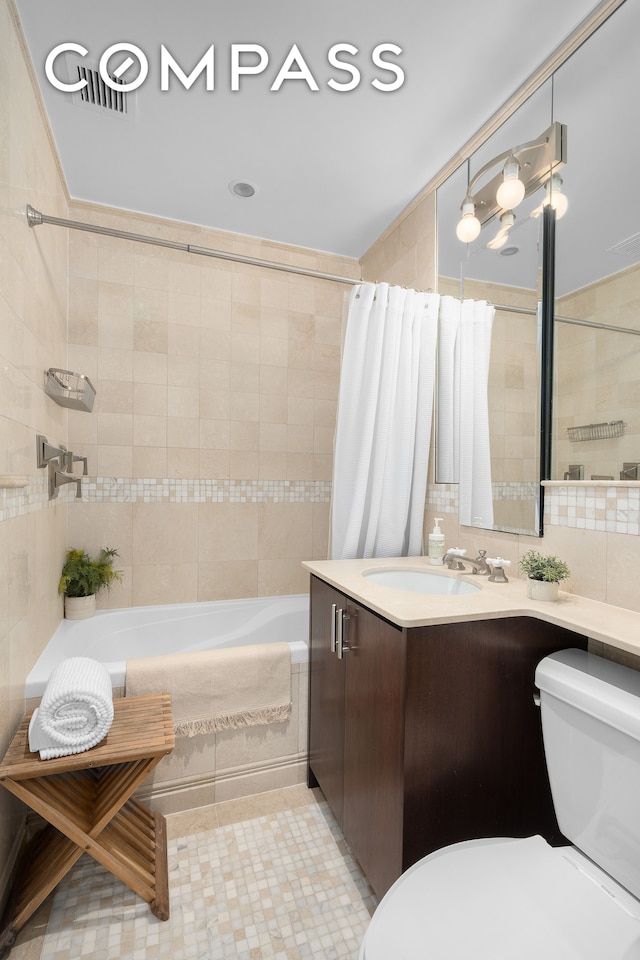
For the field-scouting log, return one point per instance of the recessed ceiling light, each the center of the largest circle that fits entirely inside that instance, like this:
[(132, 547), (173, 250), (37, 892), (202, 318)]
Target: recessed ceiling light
[(242, 189), (509, 251)]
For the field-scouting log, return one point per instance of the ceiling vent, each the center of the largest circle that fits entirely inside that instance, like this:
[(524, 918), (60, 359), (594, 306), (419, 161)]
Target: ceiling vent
[(627, 248), (99, 94)]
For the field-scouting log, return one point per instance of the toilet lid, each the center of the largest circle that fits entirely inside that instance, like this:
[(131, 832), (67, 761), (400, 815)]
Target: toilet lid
[(504, 900)]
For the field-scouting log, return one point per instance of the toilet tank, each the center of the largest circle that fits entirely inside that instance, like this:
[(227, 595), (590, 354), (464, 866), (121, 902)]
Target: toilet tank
[(591, 730)]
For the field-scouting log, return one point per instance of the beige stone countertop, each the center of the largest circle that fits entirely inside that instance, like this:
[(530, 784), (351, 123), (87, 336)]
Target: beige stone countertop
[(615, 626)]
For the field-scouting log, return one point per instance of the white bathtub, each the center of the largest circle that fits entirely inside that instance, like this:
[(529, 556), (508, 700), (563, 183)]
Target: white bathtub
[(113, 636)]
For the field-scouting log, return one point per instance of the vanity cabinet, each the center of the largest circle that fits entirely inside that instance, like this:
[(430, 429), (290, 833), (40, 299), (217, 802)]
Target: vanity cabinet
[(424, 736), (327, 696)]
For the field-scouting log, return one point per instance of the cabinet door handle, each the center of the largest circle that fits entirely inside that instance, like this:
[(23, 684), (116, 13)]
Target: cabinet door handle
[(334, 611), (341, 647)]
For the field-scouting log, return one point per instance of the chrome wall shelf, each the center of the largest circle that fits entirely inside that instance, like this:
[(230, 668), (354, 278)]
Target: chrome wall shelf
[(597, 431), (70, 389)]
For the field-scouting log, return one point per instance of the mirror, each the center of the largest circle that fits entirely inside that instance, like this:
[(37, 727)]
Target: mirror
[(596, 424), (509, 277), (596, 373)]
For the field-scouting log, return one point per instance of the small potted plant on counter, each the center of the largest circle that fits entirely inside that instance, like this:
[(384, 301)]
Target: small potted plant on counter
[(82, 577), (543, 575)]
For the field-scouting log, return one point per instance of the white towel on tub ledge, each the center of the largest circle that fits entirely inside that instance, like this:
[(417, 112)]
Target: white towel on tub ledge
[(76, 710), (218, 689)]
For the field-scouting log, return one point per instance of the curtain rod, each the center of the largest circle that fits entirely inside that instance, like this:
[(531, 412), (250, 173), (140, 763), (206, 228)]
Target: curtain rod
[(34, 217), (529, 312)]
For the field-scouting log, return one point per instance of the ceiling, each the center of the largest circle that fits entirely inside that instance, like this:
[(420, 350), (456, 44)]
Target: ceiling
[(332, 168)]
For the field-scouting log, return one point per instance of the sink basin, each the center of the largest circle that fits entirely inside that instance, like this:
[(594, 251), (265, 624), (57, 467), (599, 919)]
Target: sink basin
[(420, 581)]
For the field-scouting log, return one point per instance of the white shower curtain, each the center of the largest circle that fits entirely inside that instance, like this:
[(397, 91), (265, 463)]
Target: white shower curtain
[(464, 453), (384, 422)]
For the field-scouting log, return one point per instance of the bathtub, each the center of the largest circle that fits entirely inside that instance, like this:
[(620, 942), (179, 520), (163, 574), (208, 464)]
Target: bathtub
[(112, 636)]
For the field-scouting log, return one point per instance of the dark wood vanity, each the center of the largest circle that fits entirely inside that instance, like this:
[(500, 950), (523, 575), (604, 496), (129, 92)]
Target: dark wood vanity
[(424, 736)]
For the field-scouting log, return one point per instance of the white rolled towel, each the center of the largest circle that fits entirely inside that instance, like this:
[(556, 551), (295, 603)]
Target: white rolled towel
[(76, 710)]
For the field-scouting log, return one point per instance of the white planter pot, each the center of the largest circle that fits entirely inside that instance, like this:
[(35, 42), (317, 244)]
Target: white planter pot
[(79, 608), (542, 590)]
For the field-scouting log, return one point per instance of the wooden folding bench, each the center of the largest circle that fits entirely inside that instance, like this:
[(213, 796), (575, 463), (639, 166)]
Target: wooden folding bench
[(86, 799)]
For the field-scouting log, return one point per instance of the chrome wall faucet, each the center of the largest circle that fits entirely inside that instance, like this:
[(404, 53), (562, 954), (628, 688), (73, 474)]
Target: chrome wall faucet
[(57, 479)]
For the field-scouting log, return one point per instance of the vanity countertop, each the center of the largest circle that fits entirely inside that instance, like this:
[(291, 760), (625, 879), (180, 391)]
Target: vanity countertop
[(615, 626)]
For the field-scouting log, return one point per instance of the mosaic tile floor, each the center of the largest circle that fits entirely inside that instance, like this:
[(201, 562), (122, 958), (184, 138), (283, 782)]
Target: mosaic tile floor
[(280, 886)]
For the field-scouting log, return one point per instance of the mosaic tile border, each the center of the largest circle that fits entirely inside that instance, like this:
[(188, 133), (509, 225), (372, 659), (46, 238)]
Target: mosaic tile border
[(16, 502), (122, 490), (610, 509), (442, 497), (19, 501), (514, 490)]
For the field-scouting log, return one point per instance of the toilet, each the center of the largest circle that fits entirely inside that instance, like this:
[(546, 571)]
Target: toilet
[(520, 899)]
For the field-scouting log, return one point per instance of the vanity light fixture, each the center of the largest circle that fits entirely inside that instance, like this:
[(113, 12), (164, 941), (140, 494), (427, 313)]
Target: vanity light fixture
[(524, 169)]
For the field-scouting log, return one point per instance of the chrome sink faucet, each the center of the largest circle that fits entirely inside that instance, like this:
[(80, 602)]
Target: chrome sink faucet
[(455, 559)]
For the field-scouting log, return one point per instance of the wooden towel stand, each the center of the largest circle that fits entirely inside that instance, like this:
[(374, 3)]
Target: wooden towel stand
[(86, 799)]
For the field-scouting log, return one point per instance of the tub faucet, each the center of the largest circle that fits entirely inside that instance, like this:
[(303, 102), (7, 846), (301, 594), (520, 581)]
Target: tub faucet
[(630, 471), (57, 478), (46, 451), (70, 458)]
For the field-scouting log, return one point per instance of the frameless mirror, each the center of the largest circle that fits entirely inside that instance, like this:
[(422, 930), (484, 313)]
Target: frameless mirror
[(596, 426), (508, 275), (596, 371)]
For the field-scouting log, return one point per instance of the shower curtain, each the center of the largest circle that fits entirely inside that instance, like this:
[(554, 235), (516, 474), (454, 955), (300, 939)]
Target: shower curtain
[(384, 419), (463, 443)]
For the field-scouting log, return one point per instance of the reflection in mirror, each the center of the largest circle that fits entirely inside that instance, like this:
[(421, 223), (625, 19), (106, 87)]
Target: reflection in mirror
[(596, 431), (507, 275), (596, 380)]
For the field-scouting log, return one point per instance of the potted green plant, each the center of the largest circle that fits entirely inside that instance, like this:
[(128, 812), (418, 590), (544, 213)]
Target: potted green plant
[(544, 573), (82, 577)]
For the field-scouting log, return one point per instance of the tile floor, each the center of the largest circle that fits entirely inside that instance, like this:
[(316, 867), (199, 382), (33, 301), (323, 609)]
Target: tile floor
[(265, 878)]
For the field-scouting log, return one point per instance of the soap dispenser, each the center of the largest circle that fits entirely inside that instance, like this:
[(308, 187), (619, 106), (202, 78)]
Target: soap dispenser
[(436, 543)]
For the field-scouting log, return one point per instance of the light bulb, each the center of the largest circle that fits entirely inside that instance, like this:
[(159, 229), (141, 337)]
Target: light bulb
[(560, 204), (558, 200), (507, 220), (469, 226), (511, 191)]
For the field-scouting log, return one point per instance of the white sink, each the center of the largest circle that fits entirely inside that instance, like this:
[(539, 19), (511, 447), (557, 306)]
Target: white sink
[(420, 581)]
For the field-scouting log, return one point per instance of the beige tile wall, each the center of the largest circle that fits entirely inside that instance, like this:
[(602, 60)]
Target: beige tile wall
[(406, 253), (206, 370), (33, 309), (597, 376)]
